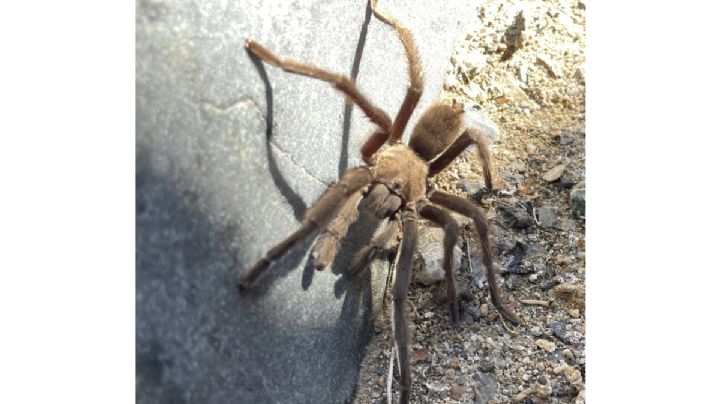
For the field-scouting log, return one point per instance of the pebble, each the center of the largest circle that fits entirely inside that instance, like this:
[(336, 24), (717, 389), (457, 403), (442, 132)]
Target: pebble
[(554, 173), (565, 139), (430, 246), (571, 374), (455, 363), (515, 216), (568, 180), (545, 345), (486, 366), (457, 391), (547, 217), (485, 388), (577, 200), (574, 313), (473, 188), (484, 310)]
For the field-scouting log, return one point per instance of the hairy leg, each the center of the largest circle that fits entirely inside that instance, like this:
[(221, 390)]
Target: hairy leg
[(469, 137), (364, 257), (439, 216), (415, 90), (403, 276), (317, 217), (342, 83), (465, 207), (329, 241)]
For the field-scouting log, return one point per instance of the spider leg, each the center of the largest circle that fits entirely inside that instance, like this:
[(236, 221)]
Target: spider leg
[(403, 275), (342, 83), (469, 136), (466, 208), (317, 217), (329, 241), (415, 90), (364, 257), (439, 216)]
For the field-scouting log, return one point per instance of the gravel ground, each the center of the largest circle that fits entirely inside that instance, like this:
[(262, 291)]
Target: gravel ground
[(522, 66)]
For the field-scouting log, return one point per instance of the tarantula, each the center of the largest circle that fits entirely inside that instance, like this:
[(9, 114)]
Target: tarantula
[(395, 185)]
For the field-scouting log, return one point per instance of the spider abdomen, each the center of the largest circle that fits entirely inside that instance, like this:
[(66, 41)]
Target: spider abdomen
[(402, 171)]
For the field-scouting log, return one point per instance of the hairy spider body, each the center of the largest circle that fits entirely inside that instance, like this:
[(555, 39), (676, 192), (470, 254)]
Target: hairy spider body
[(394, 184)]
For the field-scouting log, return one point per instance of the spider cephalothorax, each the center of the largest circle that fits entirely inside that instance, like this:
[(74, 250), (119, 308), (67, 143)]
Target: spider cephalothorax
[(394, 184)]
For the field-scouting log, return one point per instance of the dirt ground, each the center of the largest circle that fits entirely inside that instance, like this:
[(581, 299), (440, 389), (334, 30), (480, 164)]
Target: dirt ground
[(522, 65)]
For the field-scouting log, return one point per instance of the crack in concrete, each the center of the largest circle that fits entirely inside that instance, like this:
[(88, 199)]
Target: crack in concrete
[(292, 160), (224, 109)]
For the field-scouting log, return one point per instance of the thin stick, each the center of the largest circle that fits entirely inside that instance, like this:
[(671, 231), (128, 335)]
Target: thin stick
[(388, 383), (533, 302), (511, 331)]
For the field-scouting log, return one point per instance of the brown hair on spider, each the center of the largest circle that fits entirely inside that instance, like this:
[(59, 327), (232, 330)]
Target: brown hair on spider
[(394, 185)]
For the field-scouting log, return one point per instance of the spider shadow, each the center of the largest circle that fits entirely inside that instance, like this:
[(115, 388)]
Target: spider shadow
[(347, 113), (296, 203)]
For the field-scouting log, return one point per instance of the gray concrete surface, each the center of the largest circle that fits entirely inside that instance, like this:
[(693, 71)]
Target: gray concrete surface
[(229, 154)]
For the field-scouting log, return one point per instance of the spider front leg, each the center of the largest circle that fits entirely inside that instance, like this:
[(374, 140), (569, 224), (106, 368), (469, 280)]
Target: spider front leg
[(403, 276), (439, 216), (317, 217), (466, 208), (328, 243)]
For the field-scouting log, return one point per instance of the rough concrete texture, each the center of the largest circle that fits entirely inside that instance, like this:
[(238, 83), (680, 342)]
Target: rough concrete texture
[(229, 154)]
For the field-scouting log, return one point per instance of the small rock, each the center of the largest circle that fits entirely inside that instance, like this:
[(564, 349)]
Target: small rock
[(565, 139), (512, 282), (530, 148), (476, 118), (542, 390), (522, 73), (485, 388), (533, 278), (571, 374), (568, 179), (567, 353), (486, 366), (515, 216), (536, 331), (568, 290), (484, 310), (457, 391), (450, 374), (430, 246), (472, 188), (577, 200), (473, 62), (547, 217), (574, 313), (455, 363), (558, 330), (545, 345), (554, 173)]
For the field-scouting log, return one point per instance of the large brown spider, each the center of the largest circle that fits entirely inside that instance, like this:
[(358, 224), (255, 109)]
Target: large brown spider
[(395, 184)]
